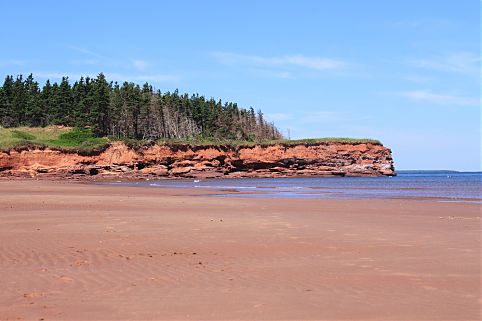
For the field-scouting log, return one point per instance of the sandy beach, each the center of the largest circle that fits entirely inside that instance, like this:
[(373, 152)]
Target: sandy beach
[(71, 251)]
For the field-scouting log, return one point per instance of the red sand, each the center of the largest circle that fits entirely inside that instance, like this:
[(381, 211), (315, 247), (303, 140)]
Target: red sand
[(84, 252)]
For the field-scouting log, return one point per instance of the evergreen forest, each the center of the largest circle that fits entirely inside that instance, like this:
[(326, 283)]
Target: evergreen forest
[(128, 111)]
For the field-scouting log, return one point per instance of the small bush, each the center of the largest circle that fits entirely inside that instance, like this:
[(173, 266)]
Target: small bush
[(17, 134), (76, 135), (79, 137)]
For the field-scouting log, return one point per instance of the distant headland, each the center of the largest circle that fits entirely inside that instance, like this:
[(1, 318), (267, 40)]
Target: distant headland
[(93, 127)]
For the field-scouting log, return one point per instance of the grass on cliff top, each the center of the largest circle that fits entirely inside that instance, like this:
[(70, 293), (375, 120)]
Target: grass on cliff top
[(52, 136), (208, 142), (75, 139), (332, 140)]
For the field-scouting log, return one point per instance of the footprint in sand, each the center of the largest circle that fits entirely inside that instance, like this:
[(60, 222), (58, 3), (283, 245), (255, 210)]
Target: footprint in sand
[(428, 287), (33, 295), (65, 279)]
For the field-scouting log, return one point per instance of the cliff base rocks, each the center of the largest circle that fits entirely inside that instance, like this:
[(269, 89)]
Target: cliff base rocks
[(186, 161)]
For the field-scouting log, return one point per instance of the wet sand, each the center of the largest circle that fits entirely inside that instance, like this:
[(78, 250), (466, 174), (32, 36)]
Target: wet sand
[(73, 251)]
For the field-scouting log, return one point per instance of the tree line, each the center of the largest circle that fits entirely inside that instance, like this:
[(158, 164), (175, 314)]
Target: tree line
[(127, 110)]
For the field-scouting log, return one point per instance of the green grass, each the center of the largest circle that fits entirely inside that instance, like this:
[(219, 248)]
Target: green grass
[(17, 134), (79, 138), (52, 136), (332, 140), (209, 142), (82, 140)]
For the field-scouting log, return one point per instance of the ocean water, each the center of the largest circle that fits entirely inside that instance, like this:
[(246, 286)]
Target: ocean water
[(441, 185)]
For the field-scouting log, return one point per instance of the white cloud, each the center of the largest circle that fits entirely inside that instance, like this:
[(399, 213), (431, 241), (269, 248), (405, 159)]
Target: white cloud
[(406, 24), (140, 64), (418, 79), (459, 62), (140, 78), (278, 116), (422, 24), (12, 62), (320, 116), (441, 99), (314, 63), (85, 51), (90, 62), (56, 75), (308, 117), (269, 73), (120, 77)]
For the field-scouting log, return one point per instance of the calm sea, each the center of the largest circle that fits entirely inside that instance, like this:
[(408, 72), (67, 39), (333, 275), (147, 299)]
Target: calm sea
[(445, 186)]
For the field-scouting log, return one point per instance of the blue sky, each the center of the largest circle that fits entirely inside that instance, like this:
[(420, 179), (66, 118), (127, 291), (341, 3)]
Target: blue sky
[(405, 72)]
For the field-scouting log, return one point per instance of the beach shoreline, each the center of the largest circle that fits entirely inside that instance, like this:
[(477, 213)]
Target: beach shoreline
[(82, 251)]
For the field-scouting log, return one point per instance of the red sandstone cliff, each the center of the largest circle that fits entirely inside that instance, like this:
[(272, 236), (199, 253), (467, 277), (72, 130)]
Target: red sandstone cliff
[(279, 160)]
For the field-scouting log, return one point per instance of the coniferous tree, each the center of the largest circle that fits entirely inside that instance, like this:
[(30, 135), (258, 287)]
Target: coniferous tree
[(61, 103), (45, 98), (34, 114), (99, 115), (6, 107), (19, 100)]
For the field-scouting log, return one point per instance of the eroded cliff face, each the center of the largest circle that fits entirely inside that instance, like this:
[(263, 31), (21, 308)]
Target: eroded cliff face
[(170, 161)]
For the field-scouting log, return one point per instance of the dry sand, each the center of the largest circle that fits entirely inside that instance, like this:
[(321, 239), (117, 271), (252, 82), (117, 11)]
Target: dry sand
[(85, 252)]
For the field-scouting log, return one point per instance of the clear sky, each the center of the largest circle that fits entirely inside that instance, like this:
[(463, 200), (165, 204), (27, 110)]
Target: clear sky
[(404, 72)]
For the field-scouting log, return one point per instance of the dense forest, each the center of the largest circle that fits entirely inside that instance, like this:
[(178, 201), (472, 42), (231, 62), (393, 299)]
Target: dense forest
[(127, 110)]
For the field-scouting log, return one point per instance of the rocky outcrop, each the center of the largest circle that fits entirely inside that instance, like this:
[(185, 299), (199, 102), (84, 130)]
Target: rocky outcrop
[(172, 161)]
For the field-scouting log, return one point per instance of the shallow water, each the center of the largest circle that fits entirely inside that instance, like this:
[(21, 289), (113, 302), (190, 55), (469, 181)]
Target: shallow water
[(446, 186)]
